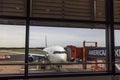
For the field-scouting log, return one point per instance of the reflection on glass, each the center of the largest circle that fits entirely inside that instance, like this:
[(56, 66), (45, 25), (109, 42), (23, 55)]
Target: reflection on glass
[(64, 50)]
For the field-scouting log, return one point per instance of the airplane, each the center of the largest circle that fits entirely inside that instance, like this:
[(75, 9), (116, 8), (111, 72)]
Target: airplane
[(54, 54)]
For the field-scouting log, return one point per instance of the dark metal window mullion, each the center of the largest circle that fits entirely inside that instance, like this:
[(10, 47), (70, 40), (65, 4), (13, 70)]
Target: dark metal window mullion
[(27, 36), (110, 36)]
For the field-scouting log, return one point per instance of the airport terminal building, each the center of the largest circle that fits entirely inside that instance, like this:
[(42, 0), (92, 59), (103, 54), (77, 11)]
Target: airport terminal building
[(59, 39)]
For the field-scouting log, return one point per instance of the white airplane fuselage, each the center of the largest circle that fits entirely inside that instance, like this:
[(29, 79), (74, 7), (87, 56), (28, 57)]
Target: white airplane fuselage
[(56, 54)]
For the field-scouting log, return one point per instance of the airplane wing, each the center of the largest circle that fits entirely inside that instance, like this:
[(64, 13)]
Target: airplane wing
[(40, 54), (37, 55)]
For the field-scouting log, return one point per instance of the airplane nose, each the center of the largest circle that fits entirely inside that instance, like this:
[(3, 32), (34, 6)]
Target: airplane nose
[(63, 59)]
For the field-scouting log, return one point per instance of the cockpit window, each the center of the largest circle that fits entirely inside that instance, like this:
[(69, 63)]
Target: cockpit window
[(59, 52)]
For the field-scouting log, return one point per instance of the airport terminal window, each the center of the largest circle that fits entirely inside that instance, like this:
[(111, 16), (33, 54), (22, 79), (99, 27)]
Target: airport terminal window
[(80, 32), (83, 49), (12, 49), (117, 51)]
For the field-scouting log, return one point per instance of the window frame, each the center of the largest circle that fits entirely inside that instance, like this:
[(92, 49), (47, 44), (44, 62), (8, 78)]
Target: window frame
[(109, 22)]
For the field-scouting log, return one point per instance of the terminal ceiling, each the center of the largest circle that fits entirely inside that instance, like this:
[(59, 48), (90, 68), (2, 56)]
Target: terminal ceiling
[(61, 13)]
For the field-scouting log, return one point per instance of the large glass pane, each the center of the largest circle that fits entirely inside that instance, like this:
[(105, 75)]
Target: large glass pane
[(58, 49), (117, 50), (12, 49)]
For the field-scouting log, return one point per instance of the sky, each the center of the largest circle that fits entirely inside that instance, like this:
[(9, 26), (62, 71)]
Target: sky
[(14, 36)]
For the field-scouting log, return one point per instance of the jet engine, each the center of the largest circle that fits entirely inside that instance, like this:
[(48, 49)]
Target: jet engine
[(31, 59)]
